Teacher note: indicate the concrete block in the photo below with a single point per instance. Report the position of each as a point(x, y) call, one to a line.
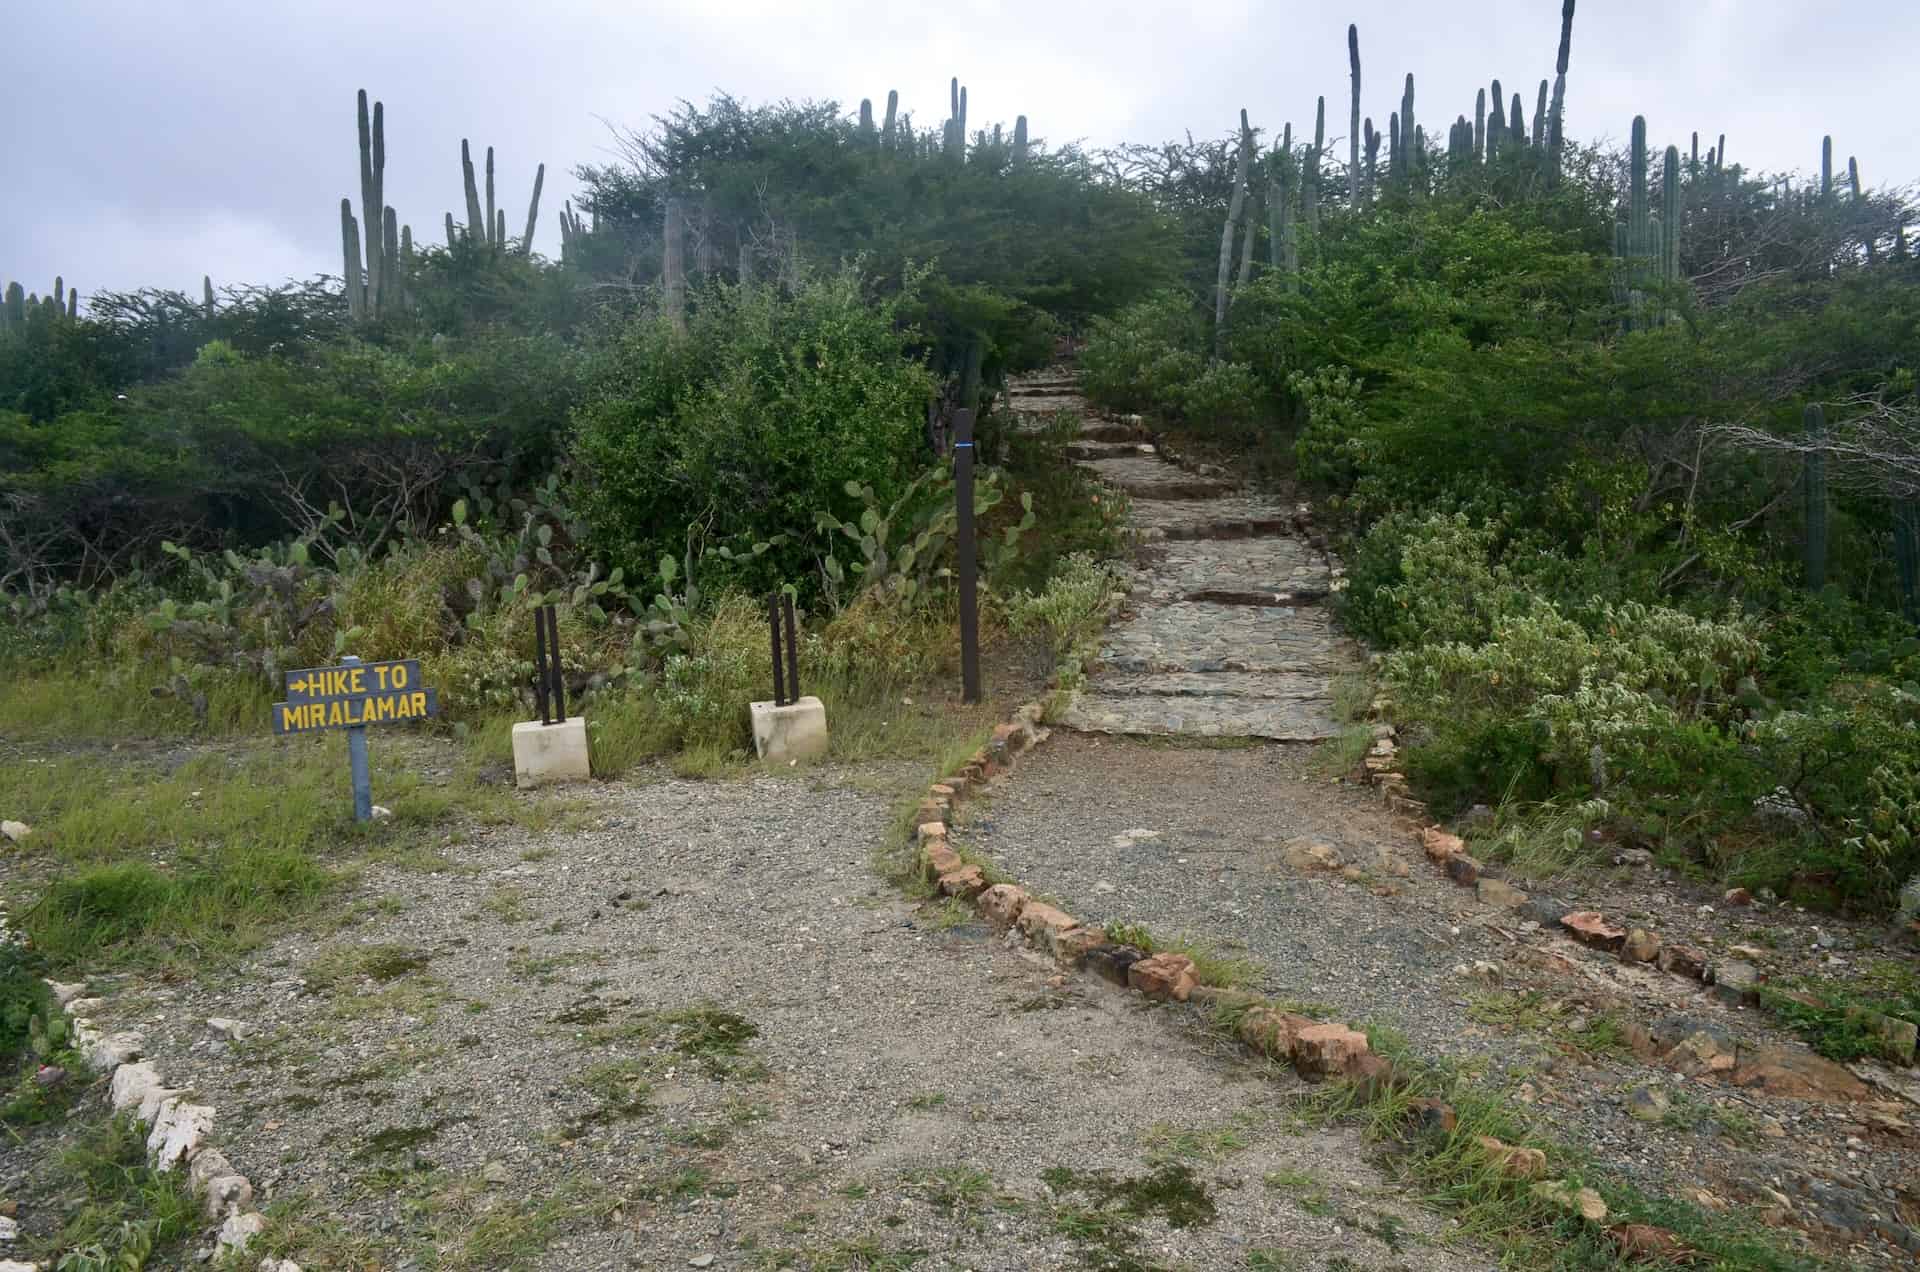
point(797, 731)
point(544, 753)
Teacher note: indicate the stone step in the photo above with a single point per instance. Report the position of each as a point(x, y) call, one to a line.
point(1050, 389)
point(1088, 450)
point(1278, 720)
point(1269, 571)
point(1111, 431)
point(1230, 516)
point(1273, 686)
point(1198, 636)
point(1149, 477)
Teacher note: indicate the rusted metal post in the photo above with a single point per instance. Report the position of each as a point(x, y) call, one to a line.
point(773, 628)
point(969, 567)
point(540, 662)
point(793, 650)
point(553, 653)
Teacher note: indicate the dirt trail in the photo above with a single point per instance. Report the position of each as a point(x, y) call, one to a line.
point(700, 1025)
point(1253, 850)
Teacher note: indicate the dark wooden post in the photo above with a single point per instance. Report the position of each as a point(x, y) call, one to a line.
point(540, 662)
point(969, 567)
point(793, 648)
point(773, 627)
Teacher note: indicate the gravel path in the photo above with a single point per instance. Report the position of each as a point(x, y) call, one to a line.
point(696, 1024)
point(1208, 844)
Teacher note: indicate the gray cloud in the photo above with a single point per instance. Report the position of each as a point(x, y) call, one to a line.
point(168, 140)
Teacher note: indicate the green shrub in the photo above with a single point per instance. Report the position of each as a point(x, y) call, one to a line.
point(1143, 358)
point(749, 425)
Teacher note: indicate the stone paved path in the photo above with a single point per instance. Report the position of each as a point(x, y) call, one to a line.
point(1225, 633)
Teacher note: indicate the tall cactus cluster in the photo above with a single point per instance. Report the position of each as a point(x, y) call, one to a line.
point(18, 306)
point(1299, 189)
point(895, 134)
point(376, 251)
point(1647, 245)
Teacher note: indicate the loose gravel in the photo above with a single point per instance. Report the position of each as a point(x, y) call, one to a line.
point(697, 1024)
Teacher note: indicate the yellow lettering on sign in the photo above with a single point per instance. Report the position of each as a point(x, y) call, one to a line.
point(383, 708)
point(358, 677)
point(419, 703)
point(400, 676)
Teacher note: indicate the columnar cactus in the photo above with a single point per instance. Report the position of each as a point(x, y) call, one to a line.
point(1412, 158)
point(1517, 123)
point(1396, 157)
point(1310, 178)
point(477, 228)
point(866, 120)
point(887, 134)
point(492, 218)
point(1372, 183)
point(1283, 245)
point(1540, 117)
point(1019, 140)
point(1236, 207)
point(1556, 126)
point(16, 305)
point(1356, 194)
point(1480, 125)
point(1496, 123)
point(1816, 495)
point(350, 262)
point(533, 209)
point(1826, 169)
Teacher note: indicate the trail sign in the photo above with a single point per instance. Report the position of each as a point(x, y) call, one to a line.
point(352, 696)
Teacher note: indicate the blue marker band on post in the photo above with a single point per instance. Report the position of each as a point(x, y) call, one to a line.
point(958, 445)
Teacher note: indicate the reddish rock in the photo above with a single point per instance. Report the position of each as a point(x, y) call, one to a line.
point(1371, 1075)
point(1512, 1161)
point(1327, 1050)
point(1002, 903)
point(1584, 1202)
point(1013, 738)
point(1738, 896)
point(1164, 976)
point(1643, 1241)
point(1072, 946)
point(930, 810)
point(943, 791)
point(1042, 922)
point(1685, 960)
point(1440, 845)
point(1463, 870)
point(931, 830)
point(1588, 928)
point(1271, 1032)
point(1799, 1075)
point(937, 859)
point(966, 883)
point(1435, 1116)
point(1641, 946)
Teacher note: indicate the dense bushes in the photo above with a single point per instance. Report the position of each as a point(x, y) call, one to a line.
point(749, 425)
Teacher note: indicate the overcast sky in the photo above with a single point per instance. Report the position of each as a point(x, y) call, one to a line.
point(152, 141)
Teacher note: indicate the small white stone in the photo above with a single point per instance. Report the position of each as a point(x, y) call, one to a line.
point(14, 1265)
point(278, 1265)
point(9, 1229)
point(238, 1230)
point(381, 812)
point(228, 1194)
point(237, 1030)
point(85, 1006)
point(16, 831)
point(208, 1165)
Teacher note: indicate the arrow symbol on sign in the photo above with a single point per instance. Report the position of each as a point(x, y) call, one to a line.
point(299, 685)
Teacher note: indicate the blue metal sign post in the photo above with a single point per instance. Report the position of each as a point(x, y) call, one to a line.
point(352, 696)
point(357, 758)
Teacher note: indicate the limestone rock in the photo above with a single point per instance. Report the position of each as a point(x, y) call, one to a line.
point(208, 1165)
point(239, 1230)
point(1641, 946)
point(110, 1052)
point(66, 992)
point(132, 1084)
point(1164, 976)
point(15, 831)
point(232, 1030)
point(14, 1265)
point(227, 1195)
point(177, 1132)
point(278, 1265)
